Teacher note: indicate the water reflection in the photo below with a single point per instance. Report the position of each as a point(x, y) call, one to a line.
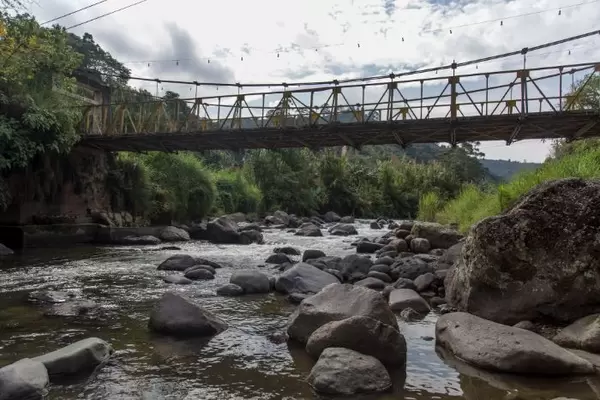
point(242, 362)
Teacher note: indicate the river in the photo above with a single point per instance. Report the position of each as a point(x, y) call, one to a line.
point(241, 363)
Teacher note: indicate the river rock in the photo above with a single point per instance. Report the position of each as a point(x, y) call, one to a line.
point(343, 230)
point(336, 302)
point(5, 251)
point(355, 267)
point(251, 281)
point(139, 240)
point(363, 334)
point(404, 283)
point(492, 346)
point(209, 268)
point(449, 257)
point(539, 260)
point(407, 298)
point(174, 234)
point(223, 230)
point(178, 262)
point(77, 358)
point(346, 372)
point(423, 282)
point(375, 225)
point(23, 380)
point(347, 219)
point(437, 235)
point(371, 283)
point(582, 334)
point(278, 258)
point(230, 290)
point(251, 236)
point(290, 251)
point(199, 274)
point(309, 230)
point(310, 254)
point(379, 275)
point(303, 278)
point(368, 247)
point(383, 268)
point(420, 245)
point(330, 216)
point(410, 268)
point(176, 315)
point(177, 279)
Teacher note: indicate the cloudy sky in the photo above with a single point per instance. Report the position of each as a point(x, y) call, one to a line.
point(290, 41)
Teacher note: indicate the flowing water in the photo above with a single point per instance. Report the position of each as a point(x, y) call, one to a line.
point(241, 363)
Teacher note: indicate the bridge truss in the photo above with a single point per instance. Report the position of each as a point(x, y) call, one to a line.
point(536, 103)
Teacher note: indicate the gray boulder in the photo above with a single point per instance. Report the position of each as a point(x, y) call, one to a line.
point(411, 268)
point(304, 278)
point(77, 358)
point(23, 380)
point(492, 346)
point(177, 279)
point(310, 254)
point(176, 315)
point(223, 230)
point(407, 298)
point(371, 283)
point(438, 235)
point(346, 372)
point(251, 281)
point(309, 230)
point(582, 334)
point(139, 240)
point(174, 234)
point(363, 334)
point(420, 245)
point(199, 274)
point(537, 261)
point(250, 236)
point(354, 267)
point(336, 302)
point(343, 230)
point(368, 247)
point(330, 216)
point(290, 251)
point(178, 262)
point(5, 251)
point(230, 290)
point(347, 219)
point(278, 258)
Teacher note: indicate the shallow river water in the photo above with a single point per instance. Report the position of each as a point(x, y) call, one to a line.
point(241, 363)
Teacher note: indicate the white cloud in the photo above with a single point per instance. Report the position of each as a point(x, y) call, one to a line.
point(352, 38)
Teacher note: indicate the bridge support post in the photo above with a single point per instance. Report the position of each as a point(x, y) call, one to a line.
point(390, 108)
point(523, 75)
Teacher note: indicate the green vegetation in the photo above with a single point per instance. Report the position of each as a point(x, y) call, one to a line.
point(575, 159)
point(38, 121)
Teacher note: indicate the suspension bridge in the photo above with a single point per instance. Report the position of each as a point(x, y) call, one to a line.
point(507, 105)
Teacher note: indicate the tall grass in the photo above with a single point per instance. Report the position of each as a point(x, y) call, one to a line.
point(235, 192)
point(474, 203)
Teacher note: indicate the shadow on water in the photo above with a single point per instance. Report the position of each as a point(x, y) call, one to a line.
point(240, 363)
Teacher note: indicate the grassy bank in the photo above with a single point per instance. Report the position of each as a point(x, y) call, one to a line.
point(475, 203)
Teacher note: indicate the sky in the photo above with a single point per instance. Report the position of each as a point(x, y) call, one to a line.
point(320, 40)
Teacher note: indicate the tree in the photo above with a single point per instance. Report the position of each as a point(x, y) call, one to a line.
point(34, 118)
point(586, 96)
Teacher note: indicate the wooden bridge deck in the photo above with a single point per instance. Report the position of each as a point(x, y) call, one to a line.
point(509, 128)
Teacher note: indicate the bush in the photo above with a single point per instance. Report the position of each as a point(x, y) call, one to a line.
point(474, 204)
point(235, 192)
point(429, 205)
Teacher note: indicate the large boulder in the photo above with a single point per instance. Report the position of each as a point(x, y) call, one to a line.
point(223, 230)
point(354, 267)
point(174, 234)
point(336, 302)
point(539, 260)
point(401, 299)
point(176, 315)
point(492, 346)
point(331, 216)
point(582, 334)
point(5, 251)
point(303, 278)
point(363, 334)
point(343, 230)
point(439, 236)
point(309, 230)
point(23, 380)
point(80, 357)
point(178, 262)
point(251, 281)
point(346, 372)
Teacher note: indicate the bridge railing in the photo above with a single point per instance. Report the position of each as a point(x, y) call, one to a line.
point(516, 92)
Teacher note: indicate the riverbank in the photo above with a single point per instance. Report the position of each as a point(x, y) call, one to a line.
point(243, 362)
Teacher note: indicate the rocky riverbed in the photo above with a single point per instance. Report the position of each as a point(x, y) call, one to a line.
point(112, 292)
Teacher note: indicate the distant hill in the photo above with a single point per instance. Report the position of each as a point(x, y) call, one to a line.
point(505, 169)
